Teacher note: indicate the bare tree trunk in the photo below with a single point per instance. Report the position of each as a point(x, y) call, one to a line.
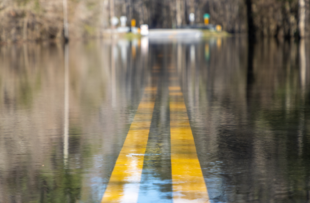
point(302, 17)
point(111, 13)
point(25, 37)
point(249, 13)
point(141, 16)
point(65, 11)
point(179, 16)
point(185, 12)
point(102, 16)
point(130, 12)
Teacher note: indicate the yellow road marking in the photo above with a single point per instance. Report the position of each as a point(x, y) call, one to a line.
point(174, 88)
point(124, 182)
point(175, 94)
point(187, 178)
point(151, 89)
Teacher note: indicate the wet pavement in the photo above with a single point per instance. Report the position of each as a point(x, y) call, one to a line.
point(190, 120)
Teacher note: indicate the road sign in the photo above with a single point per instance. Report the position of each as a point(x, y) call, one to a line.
point(133, 23)
point(206, 18)
point(192, 17)
point(144, 29)
point(123, 20)
point(206, 15)
point(114, 21)
point(218, 28)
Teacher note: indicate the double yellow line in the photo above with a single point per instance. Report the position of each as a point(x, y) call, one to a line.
point(187, 178)
point(188, 182)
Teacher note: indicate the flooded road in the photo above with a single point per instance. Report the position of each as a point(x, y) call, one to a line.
point(215, 120)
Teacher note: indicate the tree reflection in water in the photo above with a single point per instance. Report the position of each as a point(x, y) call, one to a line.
point(247, 106)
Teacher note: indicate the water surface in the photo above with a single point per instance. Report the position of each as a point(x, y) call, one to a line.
point(65, 114)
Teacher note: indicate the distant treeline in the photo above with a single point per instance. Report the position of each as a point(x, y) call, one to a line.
point(272, 18)
point(37, 20)
point(43, 19)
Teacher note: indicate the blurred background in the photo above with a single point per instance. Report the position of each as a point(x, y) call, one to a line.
point(66, 108)
point(44, 19)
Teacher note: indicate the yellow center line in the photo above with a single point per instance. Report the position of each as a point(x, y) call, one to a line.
point(124, 182)
point(187, 178)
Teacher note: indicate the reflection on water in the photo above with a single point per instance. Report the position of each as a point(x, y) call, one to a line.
point(65, 113)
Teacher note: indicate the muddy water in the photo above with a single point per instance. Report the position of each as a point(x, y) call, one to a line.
point(101, 119)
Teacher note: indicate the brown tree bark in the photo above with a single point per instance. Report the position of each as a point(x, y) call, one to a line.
point(250, 21)
point(302, 17)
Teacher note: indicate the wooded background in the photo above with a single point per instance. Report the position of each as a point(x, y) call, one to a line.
point(43, 19)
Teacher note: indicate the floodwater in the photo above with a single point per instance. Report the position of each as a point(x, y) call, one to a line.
point(214, 120)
